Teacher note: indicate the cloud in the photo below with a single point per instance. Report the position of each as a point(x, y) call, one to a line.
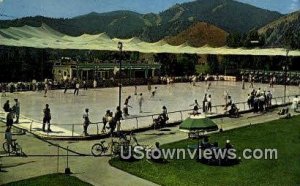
point(295, 5)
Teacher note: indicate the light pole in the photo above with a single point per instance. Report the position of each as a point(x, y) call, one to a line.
point(285, 68)
point(120, 47)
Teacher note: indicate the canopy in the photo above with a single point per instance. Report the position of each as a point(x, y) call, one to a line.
point(46, 37)
point(198, 123)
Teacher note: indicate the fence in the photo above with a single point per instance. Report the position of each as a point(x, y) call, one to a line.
point(143, 122)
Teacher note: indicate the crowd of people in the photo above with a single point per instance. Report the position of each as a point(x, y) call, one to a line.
point(273, 78)
point(214, 148)
point(259, 101)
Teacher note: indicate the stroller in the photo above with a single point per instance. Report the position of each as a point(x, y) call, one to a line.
point(234, 112)
point(160, 121)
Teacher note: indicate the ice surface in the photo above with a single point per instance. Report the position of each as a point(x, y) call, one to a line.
point(68, 108)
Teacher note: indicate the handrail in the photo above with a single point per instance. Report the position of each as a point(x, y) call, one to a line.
point(178, 111)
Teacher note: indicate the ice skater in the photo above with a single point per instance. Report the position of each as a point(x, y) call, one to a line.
point(194, 78)
point(140, 101)
point(66, 86)
point(46, 88)
point(243, 82)
point(76, 90)
point(47, 118)
point(204, 103)
point(85, 87)
point(149, 86)
point(86, 121)
point(208, 85)
point(3, 90)
point(209, 106)
point(135, 90)
point(153, 92)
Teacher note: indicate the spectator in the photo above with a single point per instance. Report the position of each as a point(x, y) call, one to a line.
point(112, 122)
point(16, 109)
point(165, 113)
point(126, 105)
point(295, 103)
point(105, 120)
point(228, 145)
point(118, 117)
point(8, 138)
point(86, 121)
point(9, 119)
point(229, 103)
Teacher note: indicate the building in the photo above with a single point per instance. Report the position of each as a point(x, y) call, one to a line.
point(69, 69)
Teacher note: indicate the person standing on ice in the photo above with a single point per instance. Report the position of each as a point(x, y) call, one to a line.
point(95, 84)
point(140, 101)
point(86, 121)
point(46, 87)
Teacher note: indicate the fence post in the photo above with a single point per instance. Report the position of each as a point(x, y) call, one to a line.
point(72, 130)
point(97, 129)
point(31, 126)
point(57, 159)
point(244, 106)
point(137, 123)
point(181, 116)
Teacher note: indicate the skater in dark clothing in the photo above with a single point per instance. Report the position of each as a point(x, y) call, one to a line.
point(47, 118)
point(86, 122)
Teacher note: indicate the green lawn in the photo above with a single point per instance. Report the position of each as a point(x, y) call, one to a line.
point(51, 179)
point(283, 135)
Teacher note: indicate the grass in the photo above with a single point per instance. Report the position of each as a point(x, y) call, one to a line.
point(284, 135)
point(51, 179)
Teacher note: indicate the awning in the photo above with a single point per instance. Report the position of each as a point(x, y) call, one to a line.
point(200, 123)
point(46, 37)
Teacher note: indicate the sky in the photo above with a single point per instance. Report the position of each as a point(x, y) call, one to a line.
point(10, 9)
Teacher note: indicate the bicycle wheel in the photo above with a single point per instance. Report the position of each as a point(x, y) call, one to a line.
point(97, 149)
point(115, 148)
point(18, 149)
point(6, 149)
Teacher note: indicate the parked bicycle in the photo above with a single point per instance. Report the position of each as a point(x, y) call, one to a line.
point(124, 142)
point(14, 148)
point(102, 148)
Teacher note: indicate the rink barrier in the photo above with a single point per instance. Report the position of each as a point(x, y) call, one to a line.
point(94, 128)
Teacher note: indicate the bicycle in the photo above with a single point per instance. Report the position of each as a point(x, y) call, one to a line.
point(14, 148)
point(98, 149)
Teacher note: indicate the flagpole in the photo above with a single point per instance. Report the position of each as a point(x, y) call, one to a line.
point(120, 47)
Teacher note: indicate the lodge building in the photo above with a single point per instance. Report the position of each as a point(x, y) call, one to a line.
point(68, 69)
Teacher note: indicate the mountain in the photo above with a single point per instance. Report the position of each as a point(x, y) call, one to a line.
point(228, 15)
point(284, 32)
point(199, 35)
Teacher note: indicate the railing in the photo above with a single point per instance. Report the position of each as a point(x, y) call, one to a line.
point(146, 121)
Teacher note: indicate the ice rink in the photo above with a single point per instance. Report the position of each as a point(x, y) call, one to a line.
point(67, 109)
